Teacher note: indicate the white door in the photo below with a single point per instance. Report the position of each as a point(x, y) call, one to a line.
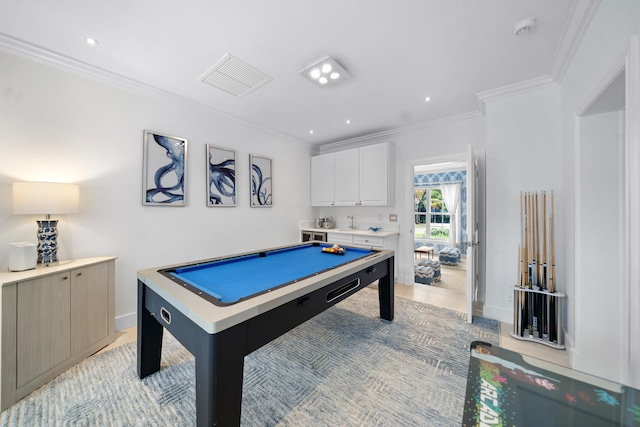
point(472, 232)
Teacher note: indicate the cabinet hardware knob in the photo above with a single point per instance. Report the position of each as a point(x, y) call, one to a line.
point(79, 274)
point(65, 277)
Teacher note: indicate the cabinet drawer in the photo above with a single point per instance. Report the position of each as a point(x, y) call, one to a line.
point(368, 241)
point(339, 238)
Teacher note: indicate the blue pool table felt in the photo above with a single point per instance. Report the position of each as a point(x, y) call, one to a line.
point(230, 280)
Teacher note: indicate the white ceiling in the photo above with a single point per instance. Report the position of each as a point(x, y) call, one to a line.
point(396, 52)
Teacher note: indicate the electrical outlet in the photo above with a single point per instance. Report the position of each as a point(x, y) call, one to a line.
point(509, 297)
point(393, 217)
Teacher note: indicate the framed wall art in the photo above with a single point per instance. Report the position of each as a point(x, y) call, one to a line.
point(221, 176)
point(164, 170)
point(261, 181)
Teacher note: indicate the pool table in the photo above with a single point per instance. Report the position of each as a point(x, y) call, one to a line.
point(224, 308)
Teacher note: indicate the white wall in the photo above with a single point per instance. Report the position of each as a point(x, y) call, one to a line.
point(604, 43)
point(60, 127)
point(523, 155)
point(598, 291)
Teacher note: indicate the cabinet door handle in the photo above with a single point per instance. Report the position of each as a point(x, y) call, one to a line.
point(79, 274)
point(65, 277)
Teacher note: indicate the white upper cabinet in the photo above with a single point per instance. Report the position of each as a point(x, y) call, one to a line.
point(346, 188)
point(374, 175)
point(323, 180)
point(355, 177)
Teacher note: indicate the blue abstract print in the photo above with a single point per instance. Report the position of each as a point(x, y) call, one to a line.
point(169, 178)
point(222, 181)
point(261, 182)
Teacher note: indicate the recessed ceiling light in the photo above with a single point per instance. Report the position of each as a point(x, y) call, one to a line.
point(428, 98)
point(348, 121)
point(311, 131)
point(91, 41)
point(323, 80)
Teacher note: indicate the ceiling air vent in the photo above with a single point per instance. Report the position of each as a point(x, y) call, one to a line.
point(234, 76)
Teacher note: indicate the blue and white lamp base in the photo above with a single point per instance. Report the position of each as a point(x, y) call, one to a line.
point(47, 241)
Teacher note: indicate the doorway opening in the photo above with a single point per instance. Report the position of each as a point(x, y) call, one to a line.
point(439, 226)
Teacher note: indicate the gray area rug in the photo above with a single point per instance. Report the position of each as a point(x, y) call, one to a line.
point(345, 367)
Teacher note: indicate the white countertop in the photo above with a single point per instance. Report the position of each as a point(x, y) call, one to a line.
point(381, 233)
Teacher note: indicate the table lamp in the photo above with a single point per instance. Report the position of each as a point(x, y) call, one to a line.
point(46, 198)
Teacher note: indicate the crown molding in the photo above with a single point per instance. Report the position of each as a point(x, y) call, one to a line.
point(514, 89)
point(43, 56)
point(574, 31)
point(374, 137)
point(579, 20)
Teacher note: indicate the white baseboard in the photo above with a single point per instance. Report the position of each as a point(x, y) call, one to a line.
point(497, 313)
point(570, 347)
point(126, 321)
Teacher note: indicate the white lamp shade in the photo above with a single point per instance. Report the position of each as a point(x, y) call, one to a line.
point(45, 198)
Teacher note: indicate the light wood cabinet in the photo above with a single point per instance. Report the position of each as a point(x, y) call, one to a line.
point(354, 177)
point(42, 324)
point(52, 318)
point(90, 314)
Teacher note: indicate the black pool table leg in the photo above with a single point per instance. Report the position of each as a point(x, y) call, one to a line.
point(149, 338)
point(386, 293)
point(219, 376)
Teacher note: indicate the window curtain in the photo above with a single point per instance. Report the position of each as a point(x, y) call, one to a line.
point(451, 198)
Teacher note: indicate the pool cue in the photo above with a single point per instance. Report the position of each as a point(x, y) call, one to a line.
point(545, 299)
point(524, 274)
point(516, 299)
point(530, 251)
point(552, 251)
point(552, 274)
point(534, 234)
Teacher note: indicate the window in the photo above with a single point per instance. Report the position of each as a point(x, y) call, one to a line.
point(428, 204)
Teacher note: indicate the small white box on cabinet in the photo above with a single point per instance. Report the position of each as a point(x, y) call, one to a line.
point(22, 256)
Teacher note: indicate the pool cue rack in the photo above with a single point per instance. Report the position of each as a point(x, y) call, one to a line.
point(537, 305)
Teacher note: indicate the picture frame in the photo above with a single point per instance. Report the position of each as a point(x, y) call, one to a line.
point(164, 179)
point(221, 176)
point(261, 181)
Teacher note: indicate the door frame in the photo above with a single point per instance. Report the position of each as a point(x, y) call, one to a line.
point(408, 189)
point(629, 63)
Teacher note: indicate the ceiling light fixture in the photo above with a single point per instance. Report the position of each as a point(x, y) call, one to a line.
point(525, 26)
point(428, 98)
point(325, 72)
point(91, 41)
